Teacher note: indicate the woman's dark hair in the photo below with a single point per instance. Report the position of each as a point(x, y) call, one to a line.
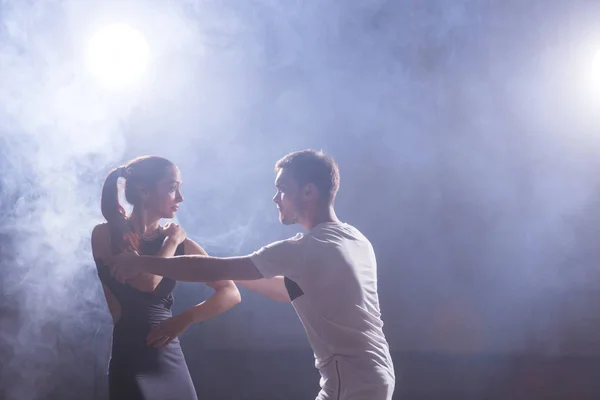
point(140, 173)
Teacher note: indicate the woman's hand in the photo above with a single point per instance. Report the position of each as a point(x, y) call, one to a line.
point(175, 233)
point(164, 333)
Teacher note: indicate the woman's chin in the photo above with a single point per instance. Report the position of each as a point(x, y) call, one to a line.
point(170, 215)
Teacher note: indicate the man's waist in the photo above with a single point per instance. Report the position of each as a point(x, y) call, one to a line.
point(357, 370)
point(360, 359)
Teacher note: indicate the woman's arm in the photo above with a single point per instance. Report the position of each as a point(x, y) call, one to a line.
point(225, 297)
point(226, 294)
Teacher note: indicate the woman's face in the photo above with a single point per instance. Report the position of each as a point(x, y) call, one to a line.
point(163, 201)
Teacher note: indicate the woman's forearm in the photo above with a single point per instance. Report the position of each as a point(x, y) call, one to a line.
point(221, 301)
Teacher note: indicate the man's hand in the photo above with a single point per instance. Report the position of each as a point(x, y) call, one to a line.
point(164, 333)
point(125, 266)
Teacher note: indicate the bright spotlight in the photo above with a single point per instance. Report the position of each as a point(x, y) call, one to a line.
point(117, 54)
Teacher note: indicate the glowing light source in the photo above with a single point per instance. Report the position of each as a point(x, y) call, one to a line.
point(117, 54)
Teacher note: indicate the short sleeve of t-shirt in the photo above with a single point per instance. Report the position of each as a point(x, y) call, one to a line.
point(280, 258)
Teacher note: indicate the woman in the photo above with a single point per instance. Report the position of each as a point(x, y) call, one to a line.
point(146, 360)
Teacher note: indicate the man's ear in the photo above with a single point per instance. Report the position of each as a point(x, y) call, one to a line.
point(310, 192)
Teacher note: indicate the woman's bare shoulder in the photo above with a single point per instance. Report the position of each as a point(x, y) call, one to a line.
point(101, 240)
point(191, 247)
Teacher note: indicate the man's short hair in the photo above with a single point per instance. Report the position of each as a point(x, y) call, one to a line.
point(316, 167)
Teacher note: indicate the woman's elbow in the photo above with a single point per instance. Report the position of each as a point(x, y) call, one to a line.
point(236, 297)
point(229, 292)
point(233, 295)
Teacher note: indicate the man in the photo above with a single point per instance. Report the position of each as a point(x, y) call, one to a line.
point(329, 274)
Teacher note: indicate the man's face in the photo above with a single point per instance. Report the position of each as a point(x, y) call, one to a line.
point(288, 197)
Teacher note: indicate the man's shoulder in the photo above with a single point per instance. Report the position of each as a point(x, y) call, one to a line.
point(340, 230)
point(295, 240)
point(291, 242)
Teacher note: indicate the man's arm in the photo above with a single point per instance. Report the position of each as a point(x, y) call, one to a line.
point(148, 282)
point(273, 288)
point(197, 268)
point(276, 259)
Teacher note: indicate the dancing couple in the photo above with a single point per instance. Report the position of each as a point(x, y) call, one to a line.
point(328, 273)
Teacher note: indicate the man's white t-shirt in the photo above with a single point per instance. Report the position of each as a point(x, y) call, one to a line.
point(331, 277)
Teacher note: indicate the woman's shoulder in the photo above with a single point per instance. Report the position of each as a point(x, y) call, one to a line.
point(101, 239)
point(100, 230)
point(191, 247)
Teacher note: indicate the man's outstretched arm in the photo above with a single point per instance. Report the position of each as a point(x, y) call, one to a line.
point(190, 268)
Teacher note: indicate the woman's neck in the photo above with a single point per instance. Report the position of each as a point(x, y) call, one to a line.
point(143, 224)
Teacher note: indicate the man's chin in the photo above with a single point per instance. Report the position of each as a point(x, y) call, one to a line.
point(287, 221)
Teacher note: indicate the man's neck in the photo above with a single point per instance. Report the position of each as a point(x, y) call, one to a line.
point(322, 216)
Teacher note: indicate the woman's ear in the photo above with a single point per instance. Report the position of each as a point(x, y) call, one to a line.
point(144, 194)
